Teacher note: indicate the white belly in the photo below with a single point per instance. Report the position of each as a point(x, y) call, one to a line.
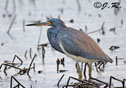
point(76, 58)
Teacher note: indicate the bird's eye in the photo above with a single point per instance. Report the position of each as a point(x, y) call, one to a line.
point(49, 22)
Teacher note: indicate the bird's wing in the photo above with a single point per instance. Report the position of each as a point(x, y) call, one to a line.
point(80, 44)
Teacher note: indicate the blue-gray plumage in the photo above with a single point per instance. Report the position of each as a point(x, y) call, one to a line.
point(75, 44)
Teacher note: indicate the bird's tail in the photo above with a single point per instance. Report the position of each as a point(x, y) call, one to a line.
point(109, 59)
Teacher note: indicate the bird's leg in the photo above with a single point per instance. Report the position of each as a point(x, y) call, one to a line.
point(79, 71)
point(89, 70)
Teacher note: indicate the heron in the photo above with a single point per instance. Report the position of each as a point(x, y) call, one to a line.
point(74, 43)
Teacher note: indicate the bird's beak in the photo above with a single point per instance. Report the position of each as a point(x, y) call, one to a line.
point(40, 24)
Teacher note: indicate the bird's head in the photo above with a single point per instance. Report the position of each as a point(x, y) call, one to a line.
point(54, 22)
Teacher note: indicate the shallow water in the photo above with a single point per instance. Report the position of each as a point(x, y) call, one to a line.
point(34, 10)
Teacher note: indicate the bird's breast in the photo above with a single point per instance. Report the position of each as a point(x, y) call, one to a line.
point(54, 41)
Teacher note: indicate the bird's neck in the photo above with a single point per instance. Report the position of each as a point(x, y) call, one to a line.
point(52, 36)
point(57, 29)
point(60, 27)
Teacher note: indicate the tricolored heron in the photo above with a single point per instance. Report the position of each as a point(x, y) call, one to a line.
point(74, 43)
